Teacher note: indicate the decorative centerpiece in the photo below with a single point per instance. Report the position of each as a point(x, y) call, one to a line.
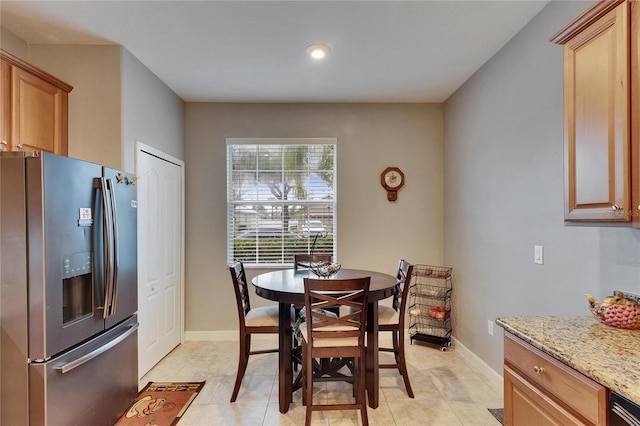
point(324, 269)
point(616, 311)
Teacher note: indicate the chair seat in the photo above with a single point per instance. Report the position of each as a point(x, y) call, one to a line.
point(331, 342)
point(387, 315)
point(262, 316)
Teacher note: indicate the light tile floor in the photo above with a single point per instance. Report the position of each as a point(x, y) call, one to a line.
point(448, 391)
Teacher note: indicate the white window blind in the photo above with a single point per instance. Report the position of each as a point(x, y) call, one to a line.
point(281, 199)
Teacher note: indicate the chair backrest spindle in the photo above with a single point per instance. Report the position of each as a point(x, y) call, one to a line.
point(241, 289)
point(404, 275)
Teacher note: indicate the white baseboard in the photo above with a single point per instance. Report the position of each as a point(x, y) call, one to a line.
point(494, 379)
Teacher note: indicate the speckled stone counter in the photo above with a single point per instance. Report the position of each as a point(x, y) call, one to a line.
point(608, 355)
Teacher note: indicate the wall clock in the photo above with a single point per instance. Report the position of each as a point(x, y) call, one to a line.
point(392, 180)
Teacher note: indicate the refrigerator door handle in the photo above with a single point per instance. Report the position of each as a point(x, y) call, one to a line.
point(91, 355)
point(114, 223)
point(106, 241)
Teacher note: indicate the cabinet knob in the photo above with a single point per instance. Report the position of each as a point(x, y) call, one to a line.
point(19, 146)
point(3, 142)
point(615, 207)
point(538, 370)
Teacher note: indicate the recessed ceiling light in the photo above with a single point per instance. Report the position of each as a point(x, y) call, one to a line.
point(318, 51)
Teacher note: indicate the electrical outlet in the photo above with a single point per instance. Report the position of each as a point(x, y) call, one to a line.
point(490, 327)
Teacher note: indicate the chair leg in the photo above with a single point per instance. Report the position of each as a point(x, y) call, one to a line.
point(308, 384)
point(294, 350)
point(303, 368)
point(355, 370)
point(396, 345)
point(402, 365)
point(243, 359)
point(362, 392)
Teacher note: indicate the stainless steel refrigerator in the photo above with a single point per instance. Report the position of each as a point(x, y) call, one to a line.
point(68, 291)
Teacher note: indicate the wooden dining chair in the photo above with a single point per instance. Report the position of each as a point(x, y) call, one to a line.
point(303, 260)
point(327, 336)
point(262, 320)
point(392, 318)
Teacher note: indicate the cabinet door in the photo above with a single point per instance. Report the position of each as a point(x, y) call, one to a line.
point(5, 106)
point(596, 102)
point(39, 114)
point(635, 106)
point(526, 405)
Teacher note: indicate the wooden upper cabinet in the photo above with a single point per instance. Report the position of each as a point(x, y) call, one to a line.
point(635, 112)
point(5, 105)
point(597, 128)
point(34, 114)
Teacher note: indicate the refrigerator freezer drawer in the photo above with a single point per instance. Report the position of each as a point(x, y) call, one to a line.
point(91, 384)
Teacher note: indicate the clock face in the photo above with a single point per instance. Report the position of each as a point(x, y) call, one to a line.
point(393, 179)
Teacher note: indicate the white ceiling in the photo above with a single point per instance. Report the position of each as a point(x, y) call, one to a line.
point(254, 51)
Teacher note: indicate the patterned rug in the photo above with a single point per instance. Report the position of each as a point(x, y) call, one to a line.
point(498, 413)
point(160, 404)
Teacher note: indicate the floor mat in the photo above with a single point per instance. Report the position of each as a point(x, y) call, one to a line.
point(498, 413)
point(160, 404)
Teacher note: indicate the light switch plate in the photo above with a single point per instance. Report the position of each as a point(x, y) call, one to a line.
point(538, 255)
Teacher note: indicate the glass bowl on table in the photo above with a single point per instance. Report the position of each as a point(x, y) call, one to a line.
point(324, 269)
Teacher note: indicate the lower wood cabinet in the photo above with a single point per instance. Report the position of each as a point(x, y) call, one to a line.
point(539, 390)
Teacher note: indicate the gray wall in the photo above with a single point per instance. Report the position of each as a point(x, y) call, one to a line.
point(151, 112)
point(503, 162)
point(373, 233)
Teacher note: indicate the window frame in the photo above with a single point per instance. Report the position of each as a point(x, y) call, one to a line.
point(307, 241)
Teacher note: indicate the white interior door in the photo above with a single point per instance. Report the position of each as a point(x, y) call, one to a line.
point(160, 255)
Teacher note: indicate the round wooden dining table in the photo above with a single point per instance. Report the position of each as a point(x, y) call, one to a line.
point(287, 288)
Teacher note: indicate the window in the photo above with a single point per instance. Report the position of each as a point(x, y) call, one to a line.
point(281, 199)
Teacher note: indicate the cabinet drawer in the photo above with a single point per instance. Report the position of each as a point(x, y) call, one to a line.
point(526, 405)
point(578, 392)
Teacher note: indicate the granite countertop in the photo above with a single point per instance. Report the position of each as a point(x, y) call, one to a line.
point(608, 355)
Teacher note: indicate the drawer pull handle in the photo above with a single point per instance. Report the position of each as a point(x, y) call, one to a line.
point(538, 370)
